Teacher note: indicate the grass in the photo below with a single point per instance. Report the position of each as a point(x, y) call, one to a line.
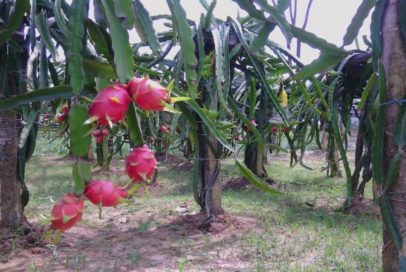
point(297, 231)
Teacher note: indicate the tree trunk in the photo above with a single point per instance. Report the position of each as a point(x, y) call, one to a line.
point(10, 187)
point(394, 61)
point(213, 188)
point(333, 156)
point(209, 164)
point(254, 159)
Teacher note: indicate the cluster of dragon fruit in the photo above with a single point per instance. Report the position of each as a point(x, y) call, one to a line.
point(107, 108)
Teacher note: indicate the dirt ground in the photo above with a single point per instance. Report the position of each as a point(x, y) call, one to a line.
point(122, 241)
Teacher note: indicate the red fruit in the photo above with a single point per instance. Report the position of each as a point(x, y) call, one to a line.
point(67, 212)
point(96, 132)
point(104, 132)
point(274, 129)
point(60, 118)
point(238, 138)
point(164, 129)
point(64, 109)
point(99, 134)
point(149, 95)
point(151, 140)
point(140, 164)
point(286, 129)
point(104, 193)
point(111, 104)
point(99, 139)
point(246, 128)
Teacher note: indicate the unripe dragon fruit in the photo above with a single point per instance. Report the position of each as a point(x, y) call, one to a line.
point(149, 95)
point(67, 212)
point(140, 164)
point(104, 193)
point(110, 104)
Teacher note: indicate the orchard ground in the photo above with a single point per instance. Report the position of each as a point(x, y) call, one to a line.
point(301, 230)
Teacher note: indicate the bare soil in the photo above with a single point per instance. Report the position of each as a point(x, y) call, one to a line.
point(122, 241)
point(175, 162)
point(242, 183)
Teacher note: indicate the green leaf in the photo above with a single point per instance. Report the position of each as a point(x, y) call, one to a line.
point(378, 137)
point(134, 130)
point(321, 64)
point(123, 56)
point(282, 5)
point(316, 42)
point(60, 19)
point(260, 72)
point(187, 45)
point(43, 29)
point(367, 89)
point(209, 15)
point(100, 39)
point(343, 154)
point(21, 7)
point(218, 38)
point(376, 35)
point(81, 175)
point(98, 69)
point(53, 73)
point(145, 27)
point(278, 17)
point(258, 137)
point(80, 138)
point(262, 37)
point(39, 95)
point(76, 32)
point(254, 179)
point(124, 11)
point(219, 135)
point(251, 9)
point(204, 4)
point(32, 116)
point(357, 21)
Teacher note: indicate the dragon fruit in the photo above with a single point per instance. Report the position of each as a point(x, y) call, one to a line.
point(140, 164)
point(99, 134)
point(110, 105)
point(67, 212)
point(149, 95)
point(104, 193)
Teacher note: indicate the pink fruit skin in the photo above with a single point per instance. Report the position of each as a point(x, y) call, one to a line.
point(65, 109)
point(149, 95)
point(140, 164)
point(60, 118)
point(70, 207)
point(164, 129)
point(104, 193)
point(110, 103)
point(274, 129)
